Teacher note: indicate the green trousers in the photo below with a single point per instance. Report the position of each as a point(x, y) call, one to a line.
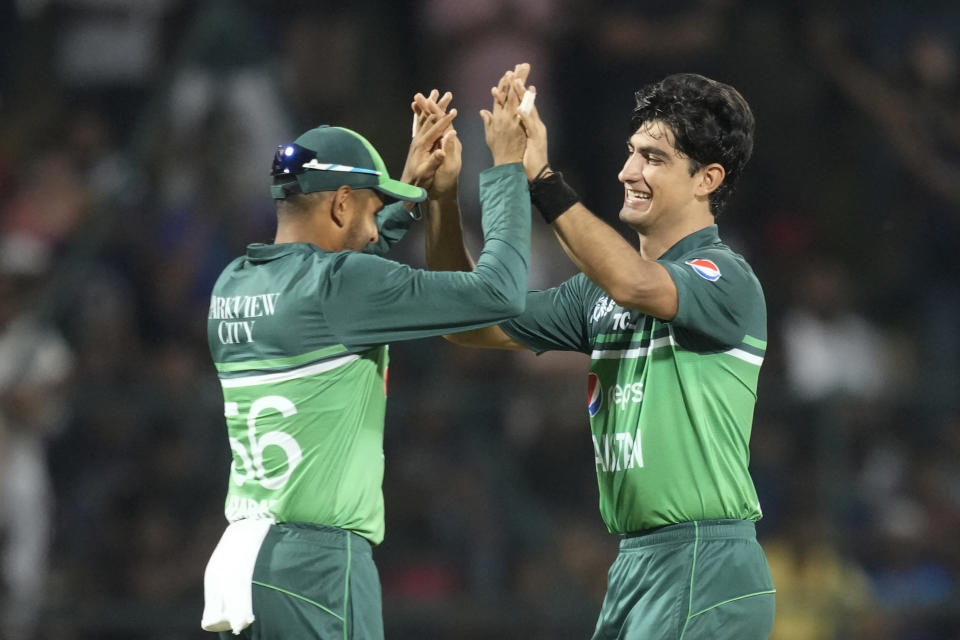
point(705, 580)
point(312, 582)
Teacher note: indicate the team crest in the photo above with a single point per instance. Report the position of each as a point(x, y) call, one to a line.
point(594, 394)
point(706, 269)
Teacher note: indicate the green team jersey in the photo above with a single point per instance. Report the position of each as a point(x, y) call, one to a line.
point(670, 403)
point(298, 336)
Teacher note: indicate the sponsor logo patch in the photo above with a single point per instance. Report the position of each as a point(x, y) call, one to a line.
point(706, 269)
point(594, 394)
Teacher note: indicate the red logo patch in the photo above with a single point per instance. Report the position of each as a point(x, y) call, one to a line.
point(706, 269)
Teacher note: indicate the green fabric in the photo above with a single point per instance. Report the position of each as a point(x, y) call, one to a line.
point(299, 335)
point(311, 581)
point(338, 145)
point(705, 580)
point(674, 403)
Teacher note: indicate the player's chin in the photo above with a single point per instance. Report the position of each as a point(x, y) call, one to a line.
point(630, 215)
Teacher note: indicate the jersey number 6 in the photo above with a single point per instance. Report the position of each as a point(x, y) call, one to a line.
point(252, 460)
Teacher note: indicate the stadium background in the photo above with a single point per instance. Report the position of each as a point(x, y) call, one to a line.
point(135, 137)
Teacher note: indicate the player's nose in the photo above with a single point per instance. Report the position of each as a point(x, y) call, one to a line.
point(632, 169)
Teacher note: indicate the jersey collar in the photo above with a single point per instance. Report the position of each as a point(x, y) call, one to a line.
point(259, 252)
point(696, 240)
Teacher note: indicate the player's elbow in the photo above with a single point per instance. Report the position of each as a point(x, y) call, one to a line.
point(506, 304)
point(514, 306)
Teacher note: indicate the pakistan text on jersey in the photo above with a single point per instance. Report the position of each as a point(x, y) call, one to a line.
point(617, 451)
point(238, 307)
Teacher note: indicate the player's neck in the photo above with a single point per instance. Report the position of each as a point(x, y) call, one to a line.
point(654, 242)
point(304, 231)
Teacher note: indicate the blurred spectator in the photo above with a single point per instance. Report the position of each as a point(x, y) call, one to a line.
point(109, 51)
point(830, 346)
point(35, 365)
point(908, 91)
point(918, 111)
point(820, 594)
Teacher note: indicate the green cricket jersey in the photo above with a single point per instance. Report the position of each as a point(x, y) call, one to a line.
point(298, 336)
point(670, 403)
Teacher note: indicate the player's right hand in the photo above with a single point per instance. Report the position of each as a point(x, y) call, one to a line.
point(535, 157)
point(503, 129)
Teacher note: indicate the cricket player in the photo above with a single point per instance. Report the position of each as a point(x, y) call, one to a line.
point(298, 331)
point(676, 333)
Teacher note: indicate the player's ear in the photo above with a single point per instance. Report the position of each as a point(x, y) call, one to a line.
point(711, 177)
point(340, 205)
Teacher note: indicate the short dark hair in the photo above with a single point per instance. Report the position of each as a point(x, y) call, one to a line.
point(297, 203)
point(710, 120)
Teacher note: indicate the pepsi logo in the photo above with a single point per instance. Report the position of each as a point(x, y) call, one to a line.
point(706, 269)
point(594, 394)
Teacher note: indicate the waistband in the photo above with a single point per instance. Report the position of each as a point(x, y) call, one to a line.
point(324, 535)
point(690, 532)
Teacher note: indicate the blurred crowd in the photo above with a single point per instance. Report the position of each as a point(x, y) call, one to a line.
point(134, 143)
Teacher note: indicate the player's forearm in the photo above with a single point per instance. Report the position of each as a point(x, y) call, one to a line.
point(487, 338)
point(616, 267)
point(445, 247)
point(505, 203)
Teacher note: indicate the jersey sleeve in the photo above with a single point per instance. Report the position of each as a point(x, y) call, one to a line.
point(717, 295)
point(374, 300)
point(393, 222)
point(555, 319)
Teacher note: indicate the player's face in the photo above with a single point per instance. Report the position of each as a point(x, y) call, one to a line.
point(362, 225)
point(656, 178)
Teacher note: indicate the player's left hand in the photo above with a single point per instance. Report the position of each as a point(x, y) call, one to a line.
point(427, 148)
point(447, 175)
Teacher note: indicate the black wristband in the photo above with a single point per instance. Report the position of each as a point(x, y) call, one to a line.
point(552, 196)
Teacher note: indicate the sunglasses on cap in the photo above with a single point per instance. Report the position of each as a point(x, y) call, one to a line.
point(292, 159)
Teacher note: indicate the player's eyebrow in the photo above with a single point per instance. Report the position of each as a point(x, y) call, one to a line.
point(649, 150)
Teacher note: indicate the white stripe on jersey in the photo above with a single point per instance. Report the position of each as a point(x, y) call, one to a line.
point(636, 352)
point(745, 356)
point(665, 341)
point(290, 374)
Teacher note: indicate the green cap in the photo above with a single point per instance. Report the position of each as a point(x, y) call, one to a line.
point(326, 158)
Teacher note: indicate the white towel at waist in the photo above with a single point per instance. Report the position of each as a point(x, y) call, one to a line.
point(228, 580)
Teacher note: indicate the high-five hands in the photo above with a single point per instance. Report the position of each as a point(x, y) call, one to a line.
point(503, 127)
point(535, 156)
point(433, 139)
point(447, 173)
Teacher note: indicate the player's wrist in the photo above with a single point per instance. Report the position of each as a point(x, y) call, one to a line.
point(551, 195)
point(443, 196)
point(507, 157)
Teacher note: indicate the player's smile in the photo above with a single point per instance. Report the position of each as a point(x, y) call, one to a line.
point(637, 198)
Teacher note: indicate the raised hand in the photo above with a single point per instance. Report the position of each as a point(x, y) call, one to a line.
point(503, 130)
point(428, 147)
point(535, 156)
point(447, 174)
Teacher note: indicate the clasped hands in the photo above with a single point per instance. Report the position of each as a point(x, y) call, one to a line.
point(434, 158)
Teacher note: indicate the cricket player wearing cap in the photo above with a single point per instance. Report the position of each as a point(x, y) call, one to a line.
point(676, 333)
point(298, 331)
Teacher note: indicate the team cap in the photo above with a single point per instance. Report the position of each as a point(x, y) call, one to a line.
point(325, 158)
